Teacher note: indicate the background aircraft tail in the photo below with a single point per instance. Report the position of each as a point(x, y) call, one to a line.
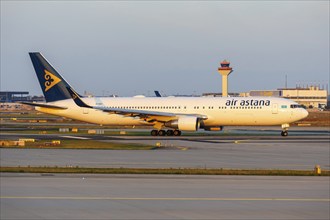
point(52, 83)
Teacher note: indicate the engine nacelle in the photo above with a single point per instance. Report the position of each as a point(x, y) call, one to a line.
point(184, 123)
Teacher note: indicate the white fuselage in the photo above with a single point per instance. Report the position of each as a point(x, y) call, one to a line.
point(219, 111)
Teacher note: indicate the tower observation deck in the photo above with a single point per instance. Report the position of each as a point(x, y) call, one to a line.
point(225, 70)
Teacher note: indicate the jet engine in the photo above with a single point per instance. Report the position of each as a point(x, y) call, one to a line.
point(184, 123)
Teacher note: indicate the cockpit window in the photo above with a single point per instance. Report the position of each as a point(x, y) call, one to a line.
point(296, 106)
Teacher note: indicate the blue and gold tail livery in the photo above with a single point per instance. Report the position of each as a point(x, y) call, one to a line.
point(52, 83)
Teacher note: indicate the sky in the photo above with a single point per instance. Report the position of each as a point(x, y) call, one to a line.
point(135, 47)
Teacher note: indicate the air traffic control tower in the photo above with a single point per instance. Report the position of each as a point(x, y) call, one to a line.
point(225, 70)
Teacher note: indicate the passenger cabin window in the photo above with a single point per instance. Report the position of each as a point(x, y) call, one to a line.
point(296, 106)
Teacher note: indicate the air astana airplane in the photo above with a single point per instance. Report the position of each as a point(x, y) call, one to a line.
point(174, 113)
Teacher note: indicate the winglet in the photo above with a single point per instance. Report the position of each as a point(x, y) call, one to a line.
point(157, 93)
point(76, 98)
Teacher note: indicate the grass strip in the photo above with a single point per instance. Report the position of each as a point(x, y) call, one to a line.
point(169, 171)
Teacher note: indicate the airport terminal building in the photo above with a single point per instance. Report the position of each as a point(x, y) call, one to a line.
point(9, 100)
point(310, 97)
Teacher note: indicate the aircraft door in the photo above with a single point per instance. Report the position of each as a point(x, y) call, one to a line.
point(275, 108)
point(85, 110)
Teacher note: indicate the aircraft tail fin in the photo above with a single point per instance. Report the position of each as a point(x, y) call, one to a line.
point(53, 85)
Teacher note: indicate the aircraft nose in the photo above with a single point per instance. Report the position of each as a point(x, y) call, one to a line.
point(304, 113)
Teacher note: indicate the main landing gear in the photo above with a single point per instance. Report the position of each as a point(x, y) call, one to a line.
point(165, 133)
point(285, 128)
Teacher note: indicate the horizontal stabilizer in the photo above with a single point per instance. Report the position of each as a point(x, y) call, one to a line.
point(44, 105)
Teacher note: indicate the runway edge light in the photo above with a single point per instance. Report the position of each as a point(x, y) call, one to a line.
point(317, 169)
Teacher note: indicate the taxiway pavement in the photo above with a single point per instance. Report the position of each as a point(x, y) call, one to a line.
point(242, 152)
point(59, 196)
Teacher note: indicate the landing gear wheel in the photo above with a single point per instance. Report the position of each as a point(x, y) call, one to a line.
point(154, 133)
point(161, 133)
point(284, 133)
point(176, 132)
point(169, 132)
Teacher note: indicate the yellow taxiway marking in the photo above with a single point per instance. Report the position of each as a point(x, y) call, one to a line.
point(76, 137)
point(164, 198)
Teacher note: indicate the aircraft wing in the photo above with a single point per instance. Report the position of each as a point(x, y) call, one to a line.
point(146, 115)
point(44, 105)
point(132, 112)
point(149, 116)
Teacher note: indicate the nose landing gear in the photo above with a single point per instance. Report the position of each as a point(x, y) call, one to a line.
point(285, 128)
